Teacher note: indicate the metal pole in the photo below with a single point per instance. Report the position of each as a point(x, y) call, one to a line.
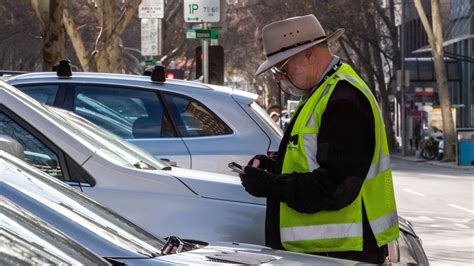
point(205, 59)
point(160, 41)
point(402, 85)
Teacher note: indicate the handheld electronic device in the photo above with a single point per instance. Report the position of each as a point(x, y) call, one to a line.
point(236, 167)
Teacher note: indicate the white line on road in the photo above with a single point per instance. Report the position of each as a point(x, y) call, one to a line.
point(435, 225)
point(462, 226)
point(413, 192)
point(460, 208)
point(426, 218)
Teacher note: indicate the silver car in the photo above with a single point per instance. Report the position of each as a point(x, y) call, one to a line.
point(112, 237)
point(128, 180)
point(189, 124)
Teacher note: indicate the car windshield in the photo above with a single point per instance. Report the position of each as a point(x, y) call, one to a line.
point(63, 199)
point(117, 149)
point(29, 239)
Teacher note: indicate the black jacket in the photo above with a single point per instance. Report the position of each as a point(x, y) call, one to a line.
point(346, 142)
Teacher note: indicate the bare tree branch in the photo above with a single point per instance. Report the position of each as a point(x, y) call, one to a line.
point(77, 42)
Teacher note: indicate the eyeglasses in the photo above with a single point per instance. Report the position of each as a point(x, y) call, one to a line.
point(280, 69)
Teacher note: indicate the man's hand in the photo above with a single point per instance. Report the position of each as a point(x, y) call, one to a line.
point(263, 162)
point(256, 181)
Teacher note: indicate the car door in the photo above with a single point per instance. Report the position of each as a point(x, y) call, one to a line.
point(135, 114)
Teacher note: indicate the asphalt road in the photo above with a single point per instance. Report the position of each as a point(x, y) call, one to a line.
point(439, 201)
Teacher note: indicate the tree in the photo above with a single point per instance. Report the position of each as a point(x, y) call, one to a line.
point(106, 55)
point(49, 15)
point(435, 38)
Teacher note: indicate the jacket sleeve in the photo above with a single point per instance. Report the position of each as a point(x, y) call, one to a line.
point(345, 149)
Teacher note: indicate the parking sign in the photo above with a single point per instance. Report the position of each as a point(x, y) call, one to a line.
point(151, 9)
point(198, 11)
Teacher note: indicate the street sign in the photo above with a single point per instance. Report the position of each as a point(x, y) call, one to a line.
point(149, 36)
point(198, 11)
point(151, 9)
point(202, 34)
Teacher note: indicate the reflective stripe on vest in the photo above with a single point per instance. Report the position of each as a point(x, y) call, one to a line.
point(384, 223)
point(311, 140)
point(376, 168)
point(327, 231)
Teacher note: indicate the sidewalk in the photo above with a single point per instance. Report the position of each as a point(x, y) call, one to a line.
point(413, 158)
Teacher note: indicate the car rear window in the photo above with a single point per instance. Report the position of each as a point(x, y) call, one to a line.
point(193, 119)
point(266, 118)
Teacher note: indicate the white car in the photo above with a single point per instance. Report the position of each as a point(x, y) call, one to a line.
point(191, 125)
point(193, 204)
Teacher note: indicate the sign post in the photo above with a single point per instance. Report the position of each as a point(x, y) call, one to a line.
point(205, 54)
point(202, 11)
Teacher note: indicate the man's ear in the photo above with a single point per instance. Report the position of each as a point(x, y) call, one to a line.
point(308, 53)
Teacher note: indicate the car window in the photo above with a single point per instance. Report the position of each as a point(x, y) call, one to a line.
point(265, 117)
point(45, 94)
point(129, 113)
point(36, 152)
point(193, 118)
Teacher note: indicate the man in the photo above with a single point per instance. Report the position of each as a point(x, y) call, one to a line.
point(329, 189)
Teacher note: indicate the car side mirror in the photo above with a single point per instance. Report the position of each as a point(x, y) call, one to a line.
point(12, 146)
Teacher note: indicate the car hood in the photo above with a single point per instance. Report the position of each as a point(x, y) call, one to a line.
point(215, 186)
point(237, 253)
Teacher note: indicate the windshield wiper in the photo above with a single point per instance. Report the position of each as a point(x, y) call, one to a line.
point(175, 245)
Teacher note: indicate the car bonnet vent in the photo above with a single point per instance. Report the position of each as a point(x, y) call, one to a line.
point(221, 261)
point(240, 258)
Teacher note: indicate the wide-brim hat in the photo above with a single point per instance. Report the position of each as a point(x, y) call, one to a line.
point(285, 38)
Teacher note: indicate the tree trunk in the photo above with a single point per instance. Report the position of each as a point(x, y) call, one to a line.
point(108, 53)
point(435, 38)
point(49, 13)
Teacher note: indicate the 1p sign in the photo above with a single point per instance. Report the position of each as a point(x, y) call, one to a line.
point(197, 11)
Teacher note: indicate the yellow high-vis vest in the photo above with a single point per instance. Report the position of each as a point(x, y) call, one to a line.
point(339, 230)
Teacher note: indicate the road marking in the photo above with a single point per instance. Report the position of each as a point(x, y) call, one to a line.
point(462, 226)
point(428, 219)
point(460, 208)
point(436, 225)
point(414, 192)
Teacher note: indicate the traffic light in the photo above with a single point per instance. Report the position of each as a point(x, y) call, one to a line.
point(216, 64)
point(174, 74)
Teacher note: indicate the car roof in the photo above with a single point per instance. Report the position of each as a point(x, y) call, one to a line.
point(125, 79)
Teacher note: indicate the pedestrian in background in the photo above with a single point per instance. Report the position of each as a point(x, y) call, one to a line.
point(329, 188)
